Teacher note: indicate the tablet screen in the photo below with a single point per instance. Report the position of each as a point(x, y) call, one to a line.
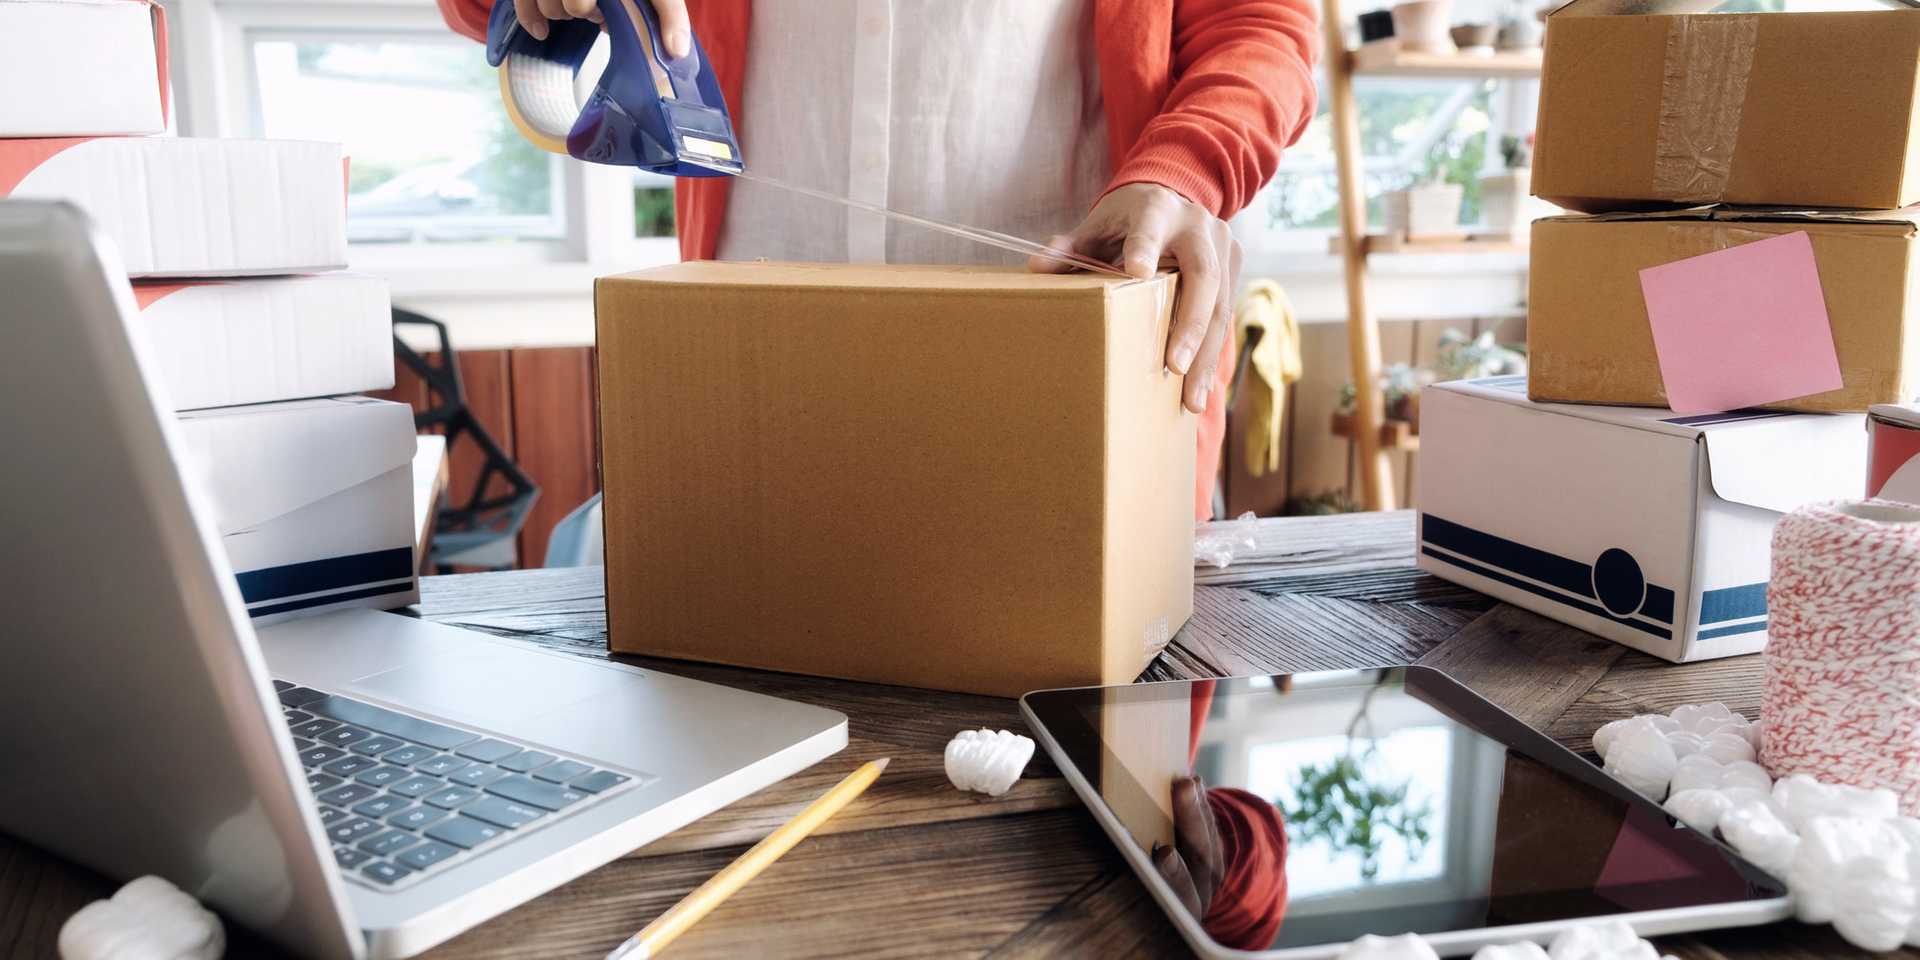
point(1312, 808)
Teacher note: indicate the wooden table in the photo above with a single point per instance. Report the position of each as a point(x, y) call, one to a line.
point(916, 868)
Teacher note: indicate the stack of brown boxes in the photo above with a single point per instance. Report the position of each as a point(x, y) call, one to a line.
point(1683, 134)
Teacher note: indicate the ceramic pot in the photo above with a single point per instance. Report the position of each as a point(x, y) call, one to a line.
point(1520, 33)
point(1424, 210)
point(1475, 37)
point(1421, 25)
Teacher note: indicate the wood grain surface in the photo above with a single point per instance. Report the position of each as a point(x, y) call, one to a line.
point(917, 869)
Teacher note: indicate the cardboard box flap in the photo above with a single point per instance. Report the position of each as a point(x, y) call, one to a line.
point(1513, 390)
point(1782, 461)
point(265, 461)
point(1610, 8)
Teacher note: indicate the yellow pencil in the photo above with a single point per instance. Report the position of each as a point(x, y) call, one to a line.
point(655, 936)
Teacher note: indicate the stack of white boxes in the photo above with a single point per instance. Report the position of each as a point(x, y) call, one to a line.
point(250, 333)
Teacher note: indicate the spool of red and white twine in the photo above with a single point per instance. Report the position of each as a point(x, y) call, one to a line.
point(1842, 697)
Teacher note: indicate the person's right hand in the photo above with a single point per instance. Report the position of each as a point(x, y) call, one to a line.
point(676, 31)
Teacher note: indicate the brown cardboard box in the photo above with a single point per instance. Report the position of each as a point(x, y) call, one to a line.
point(1782, 109)
point(1589, 340)
point(969, 479)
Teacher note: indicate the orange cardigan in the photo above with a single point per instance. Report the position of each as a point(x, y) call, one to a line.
point(1201, 97)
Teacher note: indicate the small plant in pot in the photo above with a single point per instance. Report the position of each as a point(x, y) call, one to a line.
point(1505, 196)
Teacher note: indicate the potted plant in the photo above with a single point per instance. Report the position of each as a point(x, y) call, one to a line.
point(1421, 25)
point(1463, 357)
point(1505, 197)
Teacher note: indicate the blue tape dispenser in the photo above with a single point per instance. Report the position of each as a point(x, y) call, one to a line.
point(647, 110)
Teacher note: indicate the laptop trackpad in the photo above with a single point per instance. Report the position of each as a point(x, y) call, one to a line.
point(491, 688)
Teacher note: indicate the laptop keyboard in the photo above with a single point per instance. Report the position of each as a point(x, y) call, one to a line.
point(402, 797)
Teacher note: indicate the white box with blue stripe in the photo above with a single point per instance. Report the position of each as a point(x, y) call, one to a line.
point(313, 500)
point(1636, 524)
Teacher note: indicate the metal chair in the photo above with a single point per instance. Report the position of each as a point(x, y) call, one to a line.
point(480, 531)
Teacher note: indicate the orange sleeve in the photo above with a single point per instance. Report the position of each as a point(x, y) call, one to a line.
point(1242, 91)
point(468, 18)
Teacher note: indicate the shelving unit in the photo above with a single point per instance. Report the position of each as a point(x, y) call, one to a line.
point(1373, 437)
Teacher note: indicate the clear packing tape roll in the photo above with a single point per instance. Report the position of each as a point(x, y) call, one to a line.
point(1842, 692)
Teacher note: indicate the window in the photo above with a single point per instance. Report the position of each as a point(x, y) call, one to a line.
point(1410, 131)
point(434, 158)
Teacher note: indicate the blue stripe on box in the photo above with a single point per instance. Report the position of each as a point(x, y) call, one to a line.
point(1730, 631)
point(333, 573)
point(1569, 575)
point(1733, 603)
point(327, 598)
point(1537, 590)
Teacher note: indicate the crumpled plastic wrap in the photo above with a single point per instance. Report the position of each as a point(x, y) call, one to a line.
point(1217, 543)
point(148, 919)
point(984, 761)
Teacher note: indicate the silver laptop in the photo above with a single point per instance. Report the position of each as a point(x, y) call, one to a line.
point(354, 784)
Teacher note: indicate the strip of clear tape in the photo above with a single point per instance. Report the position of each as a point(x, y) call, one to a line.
point(992, 238)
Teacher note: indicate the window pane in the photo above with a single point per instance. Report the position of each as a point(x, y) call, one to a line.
point(433, 156)
point(652, 205)
point(1410, 130)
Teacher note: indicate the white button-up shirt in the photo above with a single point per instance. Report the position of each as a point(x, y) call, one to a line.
point(982, 112)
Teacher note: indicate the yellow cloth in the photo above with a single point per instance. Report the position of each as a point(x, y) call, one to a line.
point(1274, 363)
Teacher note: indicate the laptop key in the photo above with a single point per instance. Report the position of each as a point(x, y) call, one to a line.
point(302, 744)
point(320, 755)
point(406, 756)
point(375, 746)
point(463, 832)
point(440, 766)
point(502, 813)
point(546, 796)
point(348, 766)
point(450, 797)
point(478, 775)
point(281, 686)
point(347, 831)
point(344, 735)
point(527, 760)
point(322, 781)
point(380, 806)
point(413, 818)
point(348, 795)
point(389, 843)
point(382, 871)
point(561, 772)
point(331, 815)
point(381, 720)
point(488, 750)
point(348, 858)
point(422, 856)
point(295, 716)
point(382, 776)
point(299, 696)
point(413, 787)
point(314, 727)
point(598, 780)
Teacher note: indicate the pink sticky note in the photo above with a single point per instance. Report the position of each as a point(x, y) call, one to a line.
point(1742, 326)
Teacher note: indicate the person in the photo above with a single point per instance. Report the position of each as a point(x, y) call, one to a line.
point(1146, 122)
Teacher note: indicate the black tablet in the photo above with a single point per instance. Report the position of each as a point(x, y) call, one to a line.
point(1288, 815)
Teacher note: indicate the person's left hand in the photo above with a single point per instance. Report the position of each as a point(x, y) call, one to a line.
point(1195, 864)
point(1136, 226)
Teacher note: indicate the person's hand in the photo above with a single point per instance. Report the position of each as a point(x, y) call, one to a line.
point(1136, 226)
point(1194, 865)
point(676, 31)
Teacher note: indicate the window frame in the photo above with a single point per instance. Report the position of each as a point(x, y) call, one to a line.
point(218, 95)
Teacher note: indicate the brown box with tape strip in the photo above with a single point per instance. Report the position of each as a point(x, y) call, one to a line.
point(963, 478)
point(1797, 109)
point(1590, 341)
